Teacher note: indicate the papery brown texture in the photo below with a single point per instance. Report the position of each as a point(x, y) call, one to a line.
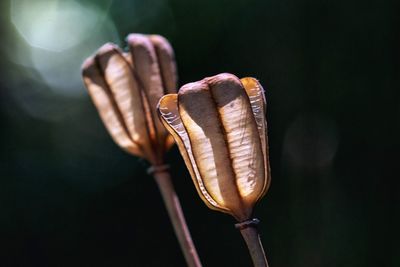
point(220, 127)
point(125, 88)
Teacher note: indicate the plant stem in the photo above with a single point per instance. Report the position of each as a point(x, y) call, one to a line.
point(163, 179)
point(252, 238)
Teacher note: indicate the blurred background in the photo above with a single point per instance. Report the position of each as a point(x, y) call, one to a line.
point(70, 197)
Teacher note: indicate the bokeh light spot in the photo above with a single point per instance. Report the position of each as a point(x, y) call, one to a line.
point(310, 142)
point(53, 25)
point(59, 35)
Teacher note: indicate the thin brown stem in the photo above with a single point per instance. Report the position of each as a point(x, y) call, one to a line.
point(252, 238)
point(177, 218)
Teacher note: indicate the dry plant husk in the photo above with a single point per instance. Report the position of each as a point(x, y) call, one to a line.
point(126, 87)
point(219, 124)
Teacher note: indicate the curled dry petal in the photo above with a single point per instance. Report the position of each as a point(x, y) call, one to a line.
point(125, 88)
point(220, 128)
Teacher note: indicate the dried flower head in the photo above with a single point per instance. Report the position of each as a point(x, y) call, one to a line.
point(220, 127)
point(125, 88)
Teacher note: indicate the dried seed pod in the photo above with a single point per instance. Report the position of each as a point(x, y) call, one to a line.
point(220, 127)
point(125, 88)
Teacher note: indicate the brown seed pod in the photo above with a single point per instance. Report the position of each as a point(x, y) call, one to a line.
point(125, 88)
point(220, 127)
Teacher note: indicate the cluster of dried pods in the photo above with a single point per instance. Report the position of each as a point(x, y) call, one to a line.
point(218, 123)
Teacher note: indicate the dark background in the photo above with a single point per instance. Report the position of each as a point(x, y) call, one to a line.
point(70, 197)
